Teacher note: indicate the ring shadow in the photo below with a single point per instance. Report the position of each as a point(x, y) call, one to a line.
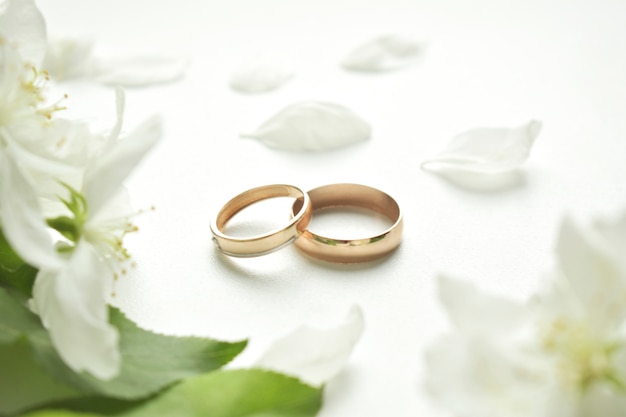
point(235, 264)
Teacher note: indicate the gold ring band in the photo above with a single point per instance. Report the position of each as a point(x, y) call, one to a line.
point(267, 242)
point(352, 250)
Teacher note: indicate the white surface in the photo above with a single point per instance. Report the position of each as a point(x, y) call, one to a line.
point(488, 63)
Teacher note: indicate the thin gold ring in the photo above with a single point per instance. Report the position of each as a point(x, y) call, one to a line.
point(351, 250)
point(267, 242)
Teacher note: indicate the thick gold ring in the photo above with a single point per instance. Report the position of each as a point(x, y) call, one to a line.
point(267, 242)
point(352, 250)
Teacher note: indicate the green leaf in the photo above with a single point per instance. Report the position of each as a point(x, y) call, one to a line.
point(22, 380)
point(14, 272)
point(17, 321)
point(150, 361)
point(60, 413)
point(23, 383)
point(103, 406)
point(236, 393)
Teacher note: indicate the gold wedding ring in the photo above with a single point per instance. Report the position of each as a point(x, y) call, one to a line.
point(264, 243)
point(350, 250)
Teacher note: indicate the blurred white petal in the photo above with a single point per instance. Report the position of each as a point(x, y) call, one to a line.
point(603, 400)
point(120, 102)
point(312, 126)
point(69, 57)
point(486, 150)
point(22, 220)
point(139, 70)
point(71, 302)
point(597, 278)
point(478, 378)
point(23, 25)
point(315, 355)
point(74, 57)
point(475, 313)
point(384, 53)
point(612, 233)
point(264, 72)
point(104, 177)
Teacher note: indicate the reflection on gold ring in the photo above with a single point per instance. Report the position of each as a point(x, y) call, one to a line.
point(267, 242)
point(351, 250)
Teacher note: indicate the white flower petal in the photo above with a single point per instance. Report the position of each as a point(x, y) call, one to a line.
point(486, 150)
point(71, 303)
point(68, 58)
point(475, 313)
point(23, 25)
point(477, 377)
point(384, 53)
point(120, 103)
point(612, 233)
point(22, 221)
point(603, 400)
point(315, 355)
point(105, 176)
point(312, 126)
point(595, 275)
point(138, 71)
point(264, 72)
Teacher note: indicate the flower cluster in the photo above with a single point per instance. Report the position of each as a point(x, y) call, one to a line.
point(562, 354)
point(63, 207)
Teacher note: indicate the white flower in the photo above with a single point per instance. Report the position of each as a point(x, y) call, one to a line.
point(22, 119)
point(312, 126)
point(315, 355)
point(563, 354)
point(71, 298)
point(37, 152)
point(42, 156)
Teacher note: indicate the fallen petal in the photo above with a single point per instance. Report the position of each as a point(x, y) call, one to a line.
point(312, 126)
point(264, 72)
point(384, 53)
point(138, 71)
point(315, 355)
point(486, 150)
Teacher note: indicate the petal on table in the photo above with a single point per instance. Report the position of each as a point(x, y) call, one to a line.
point(486, 150)
point(315, 355)
point(384, 53)
point(261, 73)
point(312, 126)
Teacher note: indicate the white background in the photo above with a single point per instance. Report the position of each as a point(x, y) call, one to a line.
point(486, 63)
